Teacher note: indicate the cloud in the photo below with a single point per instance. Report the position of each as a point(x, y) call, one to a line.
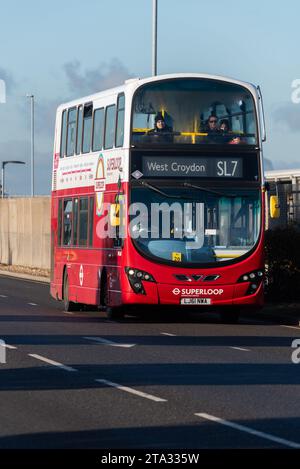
point(268, 165)
point(45, 113)
point(288, 114)
point(8, 79)
point(105, 75)
point(79, 83)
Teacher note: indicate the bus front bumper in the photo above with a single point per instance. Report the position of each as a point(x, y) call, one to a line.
point(193, 295)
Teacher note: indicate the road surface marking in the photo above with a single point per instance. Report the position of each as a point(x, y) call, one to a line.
point(243, 428)
point(32, 304)
point(240, 348)
point(292, 327)
point(167, 333)
point(52, 362)
point(67, 312)
point(11, 347)
point(102, 341)
point(3, 296)
point(131, 390)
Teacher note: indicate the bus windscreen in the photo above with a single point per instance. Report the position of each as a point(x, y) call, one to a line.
point(193, 111)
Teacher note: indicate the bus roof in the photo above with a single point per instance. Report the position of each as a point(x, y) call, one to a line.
point(134, 83)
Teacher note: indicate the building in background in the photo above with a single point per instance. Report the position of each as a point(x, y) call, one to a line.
point(285, 184)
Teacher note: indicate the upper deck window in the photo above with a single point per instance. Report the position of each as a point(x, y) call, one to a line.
point(120, 121)
point(71, 129)
point(63, 134)
point(193, 111)
point(87, 127)
point(110, 119)
point(98, 129)
point(79, 130)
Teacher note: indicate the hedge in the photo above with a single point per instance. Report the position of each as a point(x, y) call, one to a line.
point(282, 249)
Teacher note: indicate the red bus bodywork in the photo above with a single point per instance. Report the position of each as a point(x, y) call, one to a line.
point(105, 259)
point(91, 268)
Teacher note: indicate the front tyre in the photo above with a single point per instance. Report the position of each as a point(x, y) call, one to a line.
point(68, 305)
point(112, 312)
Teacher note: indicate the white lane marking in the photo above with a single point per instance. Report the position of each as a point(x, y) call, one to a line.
point(11, 347)
point(102, 341)
point(240, 348)
point(292, 327)
point(67, 312)
point(32, 304)
point(167, 333)
point(52, 362)
point(250, 430)
point(131, 390)
point(3, 296)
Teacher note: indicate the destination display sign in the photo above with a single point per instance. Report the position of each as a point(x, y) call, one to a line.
point(185, 166)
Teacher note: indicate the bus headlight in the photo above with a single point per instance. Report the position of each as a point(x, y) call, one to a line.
point(136, 278)
point(255, 277)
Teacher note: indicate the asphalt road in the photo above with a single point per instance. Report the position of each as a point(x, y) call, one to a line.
point(176, 381)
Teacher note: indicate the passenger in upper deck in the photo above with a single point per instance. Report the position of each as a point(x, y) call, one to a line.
point(161, 130)
point(227, 134)
point(212, 125)
point(212, 129)
point(224, 126)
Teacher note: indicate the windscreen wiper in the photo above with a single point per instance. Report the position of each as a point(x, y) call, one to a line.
point(204, 189)
point(156, 189)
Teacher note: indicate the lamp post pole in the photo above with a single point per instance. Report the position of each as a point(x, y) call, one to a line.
point(31, 96)
point(154, 38)
point(3, 164)
point(2, 180)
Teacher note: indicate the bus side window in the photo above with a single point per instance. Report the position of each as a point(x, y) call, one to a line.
point(98, 128)
point(87, 127)
point(63, 134)
point(91, 220)
point(83, 221)
point(59, 216)
point(110, 120)
point(71, 131)
point(120, 121)
point(67, 226)
point(79, 130)
point(75, 222)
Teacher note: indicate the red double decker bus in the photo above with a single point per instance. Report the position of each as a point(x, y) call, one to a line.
point(158, 196)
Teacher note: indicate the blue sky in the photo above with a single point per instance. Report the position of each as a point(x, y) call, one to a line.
point(63, 49)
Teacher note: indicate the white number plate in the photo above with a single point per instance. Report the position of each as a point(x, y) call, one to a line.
point(195, 301)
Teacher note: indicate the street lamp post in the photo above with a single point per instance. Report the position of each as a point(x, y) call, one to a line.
point(154, 38)
point(3, 164)
point(31, 96)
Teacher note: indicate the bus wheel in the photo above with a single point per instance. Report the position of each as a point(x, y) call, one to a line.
point(68, 305)
point(230, 317)
point(115, 312)
point(112, 312)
